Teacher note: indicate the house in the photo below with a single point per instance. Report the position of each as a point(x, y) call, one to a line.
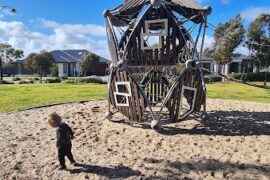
point(68, 63)
point(239, 64)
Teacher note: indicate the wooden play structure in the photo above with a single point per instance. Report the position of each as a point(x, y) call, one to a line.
point(155, 61)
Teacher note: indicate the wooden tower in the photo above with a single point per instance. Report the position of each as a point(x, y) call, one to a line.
point(155, 60)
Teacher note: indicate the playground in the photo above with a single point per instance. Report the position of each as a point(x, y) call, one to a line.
point(158, 117)
point(233, 143)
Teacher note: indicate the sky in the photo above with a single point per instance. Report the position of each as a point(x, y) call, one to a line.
point(58, 24)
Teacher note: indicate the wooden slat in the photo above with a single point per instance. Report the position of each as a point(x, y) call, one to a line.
point(173, 41)
point(138, 103)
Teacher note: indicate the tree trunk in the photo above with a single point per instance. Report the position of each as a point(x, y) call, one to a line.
point(223, 72)
point(1, 69)
point(40, 78)
point(265, 78)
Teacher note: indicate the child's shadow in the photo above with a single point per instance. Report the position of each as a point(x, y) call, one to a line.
point(116, 172)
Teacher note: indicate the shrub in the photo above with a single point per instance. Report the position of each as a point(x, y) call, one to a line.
point(5, 82)
point(64, 78)
point(212, 79)
point(16, 79)
point(34, 79)
point(90, 80)
point(31, 82)
point(54, 70)
point(251, 76)
point(23, 82)
point(57, 80)
point(72, 81)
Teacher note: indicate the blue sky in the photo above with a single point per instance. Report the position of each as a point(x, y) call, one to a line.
point(59, 24)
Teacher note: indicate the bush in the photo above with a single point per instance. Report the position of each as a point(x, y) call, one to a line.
point(57, 80)
point(72, 81)
point(54, 70)
point(16, 79)
point(34, 79)
point(31, 82)
point(90, 80)
point(64, 78)
point(23, 82)
point(212, 79)
point(251, 76)
point(5, 82)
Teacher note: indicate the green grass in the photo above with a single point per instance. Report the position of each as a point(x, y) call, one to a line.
point(14, 97)
point(236, 91)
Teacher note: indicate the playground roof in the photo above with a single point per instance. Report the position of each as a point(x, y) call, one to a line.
point(131, 8)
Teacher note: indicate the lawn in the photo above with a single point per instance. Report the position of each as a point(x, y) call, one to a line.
point(13, 97)
point(236, 91)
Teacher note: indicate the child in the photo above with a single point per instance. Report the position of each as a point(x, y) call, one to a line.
point(64, 136)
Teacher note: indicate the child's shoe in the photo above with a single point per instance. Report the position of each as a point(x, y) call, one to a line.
point(74, 163)
point(62, 168)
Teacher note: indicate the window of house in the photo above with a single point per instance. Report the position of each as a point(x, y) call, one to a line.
point(65, 68)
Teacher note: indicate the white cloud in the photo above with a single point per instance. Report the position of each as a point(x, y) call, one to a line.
point(91, 29)
point(208, 42)
point(63, 36)
point(242, 50)
point(208, 1)
point(252, 13)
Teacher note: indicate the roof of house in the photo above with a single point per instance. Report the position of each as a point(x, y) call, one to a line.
point(69, 56)
point(72, 56)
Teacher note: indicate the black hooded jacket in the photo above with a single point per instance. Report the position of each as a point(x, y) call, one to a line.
point(64, 135)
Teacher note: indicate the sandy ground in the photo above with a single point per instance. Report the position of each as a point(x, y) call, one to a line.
point(234, 143)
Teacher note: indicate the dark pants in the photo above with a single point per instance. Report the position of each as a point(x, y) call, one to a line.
point(65, 151)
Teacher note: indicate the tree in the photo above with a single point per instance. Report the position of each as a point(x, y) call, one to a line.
point(39, 63)
point(54, 70)
point(227, 37)
point(259, 41)
point(89, 64)
point(7, 55)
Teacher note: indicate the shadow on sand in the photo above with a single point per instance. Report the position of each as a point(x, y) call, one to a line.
point(226, 123)
point(117, 172)
point(228, 169)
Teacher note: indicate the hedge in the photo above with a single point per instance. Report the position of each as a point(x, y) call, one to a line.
point(212, 78)
point(57, 80)
point(16, 79)
point(251, 76)
point(90, 80)
point(5, 82)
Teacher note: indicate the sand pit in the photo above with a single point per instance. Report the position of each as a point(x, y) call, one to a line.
point(234, 143)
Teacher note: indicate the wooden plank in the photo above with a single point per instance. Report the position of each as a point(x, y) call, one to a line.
point(177, 106)
point(175, 95)
point(140, 57)
point(156, 57)
point(132, 109)
point(125, 109)
point(150, 56)
point(137, 101)
point(167, 46)
point(135, 48)
point(173, 41)
point(129, 56)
